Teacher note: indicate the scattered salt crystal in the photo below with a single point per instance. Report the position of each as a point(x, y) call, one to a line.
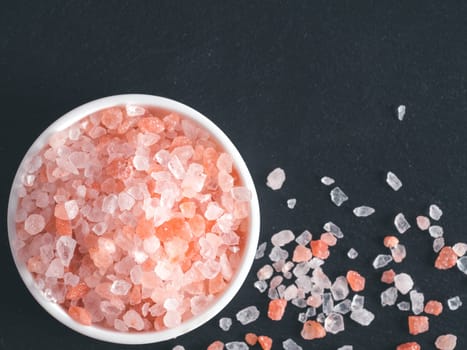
point(446, 342)
point(462, 264)
point(393, 181)
point(401, 112)
point(302, 317)
point(65, 248)
point(328, 303)
point(403, 306)
point(358, 302)
point(261, 250)
point(454, 303)
point(403, 282)
point(340, 288)
point(460, 248)
point(435, 212)
point(398, 253)
point(236, 345)
point(326, 180)
point(334, 229)
point(334, 323)
point(289, 344)
point(362, 316)
point(276, 179)
point(304, 238)
point(352, 253)
point(423, 222)
point(343, 307)
point(299, 302)
point(247, 315)
point(389, 296)
point(261, 286)
point(321, 317)
point(338, 196)
point(34, 224)
point(120, 287)
point(291, 203)
point(417, 299)
point(278, 253)
point(225, 323)
point(438, 244)
point(382, 260)
point(265, 272)
point(363, 211)
point(282, 238)
point(436, 231)
point(401, 223)
point(125, 201)
point(141, 163)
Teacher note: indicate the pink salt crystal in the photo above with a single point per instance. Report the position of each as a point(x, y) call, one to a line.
point(188, 209)
point(423, 222)
point(225, 181)
point(151, 244)
point(65, 248)
point(125, 201)
point(241, 194)
point(21, 215)
point(162, 157)
point(276, 179)
point(224, 162)
point(195, 178)
point(213, 211)
point(110, 204)
point(42, 200)
point(34, 224)
point(120, 287)
point(133, 320)
point(136, 274)
point(446, 342)
point(172, 319)
point(60, 211)
point(55, 269)
point(329, 239)
point(209, 269)
point(199, 303)
point(72, 209)
point(71, 279)
point(80, 160)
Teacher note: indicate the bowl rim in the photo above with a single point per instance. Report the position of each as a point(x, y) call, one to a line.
point(250, 246)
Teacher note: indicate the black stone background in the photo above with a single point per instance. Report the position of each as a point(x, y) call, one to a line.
point(310, 86)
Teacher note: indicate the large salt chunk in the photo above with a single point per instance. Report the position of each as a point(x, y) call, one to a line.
point(362, 316)
point(55, 269)
point(363, 211)
point(195, 178)
point(334, 323)
point(401, 223)
point(403, 282)
point(343, 307)
point(389, 296)
point(393, 181)
point(289, 344)
point(276, 179)
point(382, 260)
point(72, 209)
point(340, 288)
point(247, 315)
point(213, 211)
point(417, 299)
point(65, 248)
point(435, 212)
point(338, 196)
point(282, 238)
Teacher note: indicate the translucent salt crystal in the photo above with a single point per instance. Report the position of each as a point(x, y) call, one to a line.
point(100, 228)
point(141, 163)
point(65, 248)
point(304, 238)
point(462, 264)
point(289, 344)
point(291, 203)
point(363, 211)
point(288, 275)
point(224, 162)
point(299, 302)
point(120, 287)
point(460, 248)
point(151, 244)
point(70, 279)
point(287, 266)
point(241, 194)
point(125, 201)
point(213, 211)
point(136, 274)
point(55, 269)
point(278, 253)
point(120, 326)
point(334, 323)
point(401, 112)
point(398, 252)
point(321, 317)
point(438, 244)
point(225, 323)
point(275, 281)
point(334, 229)
point(315, 262)
point(446, 342)
point(436, 231)
point(265, 272)
point(282, 238)
point(423, 222)
point(276, 179)
point(236, 345)
point(340, 288)
point(435, 212)
point(393, 181)
point(110, 204)
point(343, 307)
point(301, 269)
point(382, 260)
point(352, 253)
point(178, 347)
point(338, 196)
point(72, 209)
point(454, 303)
point(328, 303)
point(261, 250)
point(195, 178)
point(247, 315)
point(290, 292)
point(417, 299)
point(261, 286)
point(389, 296)
point(403, 282)
point(358, 301)
point(346, 347)
point(401, 223)
point(134, 110)
point(34, 224)
point(273, 294)
point(172, 319)
point(326, 180)
point(302, 317)
point(403, 306)
point(281, 290)
point(176, 167)
point(362, 316)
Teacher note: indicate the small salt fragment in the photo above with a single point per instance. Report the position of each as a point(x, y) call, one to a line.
point(352, 253)
point(362, 316)
point(225, 323)
point(334, 323)
point(282, 238)
point(446, 342)
point(382, 260)
point(340, 288)
point(321, 317)
point(302, 317)
point(289, 344)
point(418, 301)
point(438, 244)
point(403, 306)
point(436, 231)
point(454, 303)
point(310, 312)
point(358, 301)
point(393, 181)
point(343, 307)
point(462, 264)
point(278, 253)
point(328, 181)
point(291, 203)
point(460, 249)
point(120, 287)
point(247, 315)
point(276, 179)
point(265, 272)
point(398, 253)
point(363, 211)
point(261, 286)
point(401, 112)
point(389, 297)
point(435, 212)
point(403, 282)
point(423, 222)
point(334, 229)
point(304, 238)
point(236, 345)
point(401, 223)
point(261, 250)
point(338, 197)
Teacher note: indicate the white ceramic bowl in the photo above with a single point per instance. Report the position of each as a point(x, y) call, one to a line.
point(249, 249)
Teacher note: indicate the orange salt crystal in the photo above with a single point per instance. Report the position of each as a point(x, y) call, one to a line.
point(77, 292)
point(176, 227)
point(217, 345)
point(144, 228)
point(151, 125)
point(446, 259)
point(301, 254)
point(409, 346)
point(433, 307)
point(80, 315)
point(63, 227)
point(251, 339)
point(312, 330)
point(319, 249)
point(276, 309)
point(418, 324)
point(265, 342)
point(329, 239)
point(390, 241)
point(356, 281)
point(135, 295)
point(119, 168)
point(388, 276)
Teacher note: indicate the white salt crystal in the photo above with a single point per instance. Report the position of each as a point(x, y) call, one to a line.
point(438, 244)
point(417, 299)
point(261, 250)
point(358, 302)
point(462, 264)
point(340, 288)
point(289, 344)
point(401, 223)
point(290, 292)
point(362, 316)
point(454, 303)
point(282, 238)
point(141, 163)
point(299, 302)
point(236, 345)
point(276, 179)
point(338, 196)
point(436, 231)
point(278, 254)
point(225, 323)
point(326, 180)
point(403, 306)
point(352, 253)
point(403, 282)
point(401, 112)
point(328, 303)
point(343, 307)
point(291, 203)
point(363, 211)
point(65, 248)
point(213, 211)
point(334, 229)
point(334, 323)
point(302, 317)
point(265, 272)
point(178, 347)
point(346, 347)
point(382, 260)
point(72, 209)
point(304, 238)
point(460, 248)
point(435, 212)
point(120, 287)
point(247, 315)
point(261, 286)
point(389, 296)
point(393, 181)
point(110, 204)
point(34, 224)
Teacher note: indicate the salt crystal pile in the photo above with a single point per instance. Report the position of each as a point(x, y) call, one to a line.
point(393, 181)
point(363, 211)
point(338, 196)
point(276, 179)
point(133, 219)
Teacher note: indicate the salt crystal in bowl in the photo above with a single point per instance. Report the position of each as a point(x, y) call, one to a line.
point(34, 224)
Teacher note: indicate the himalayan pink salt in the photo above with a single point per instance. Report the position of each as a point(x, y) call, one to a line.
point(446, 342)
point(276, 179)
point(133, 320)
point(423, 222)
point(65, 248)
point(56, 269)
point(125, 201)
point(213, 211)
point(34, 224)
